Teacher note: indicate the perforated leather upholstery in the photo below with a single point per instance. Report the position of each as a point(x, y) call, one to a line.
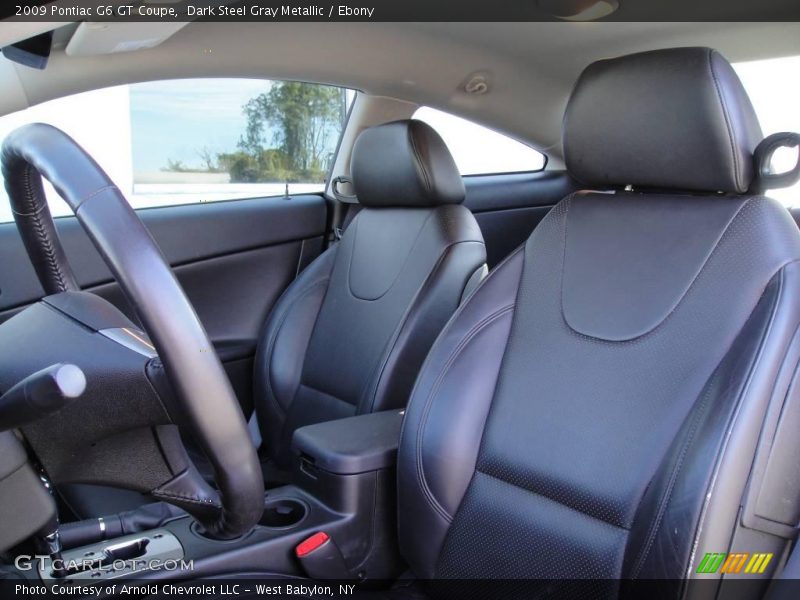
point(593, 410)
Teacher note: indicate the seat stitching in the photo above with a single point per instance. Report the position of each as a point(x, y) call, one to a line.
point(678, 304)
point(399, 271)
point(327, 394)
point(666, 497)
point(551, 499)
point(477, 328)
point(420, 475)
point(392, 343)
point(273, 338)
point(421, 165)
point(728, 124)
point(733, 421)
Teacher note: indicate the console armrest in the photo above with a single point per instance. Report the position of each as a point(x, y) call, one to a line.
point(352, 445)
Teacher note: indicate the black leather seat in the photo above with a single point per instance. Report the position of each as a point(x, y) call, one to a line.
point(593, 411)
point(618, 398)
point(350, 334)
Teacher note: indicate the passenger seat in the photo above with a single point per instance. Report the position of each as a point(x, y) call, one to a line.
point(349, 335)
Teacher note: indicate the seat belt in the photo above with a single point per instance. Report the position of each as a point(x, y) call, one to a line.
point(345, 210)
point(350, 212)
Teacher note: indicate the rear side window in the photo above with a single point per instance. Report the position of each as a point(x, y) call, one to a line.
point(199, 140)
point(774, 88)
point(478, 150)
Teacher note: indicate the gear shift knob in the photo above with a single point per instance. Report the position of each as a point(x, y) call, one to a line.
point(50, 540)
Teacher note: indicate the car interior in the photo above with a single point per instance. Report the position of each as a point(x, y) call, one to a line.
point(576, 379)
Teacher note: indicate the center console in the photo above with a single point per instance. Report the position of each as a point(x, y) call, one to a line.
point(342, 493)
point(349, 466)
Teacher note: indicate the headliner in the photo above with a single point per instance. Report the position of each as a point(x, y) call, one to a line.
point(531, 66)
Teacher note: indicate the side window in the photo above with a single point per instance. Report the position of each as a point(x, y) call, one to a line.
point(478, 150)
point(199, 140)
point(774, 88)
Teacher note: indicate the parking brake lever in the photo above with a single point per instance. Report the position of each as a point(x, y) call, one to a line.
point(41, 394)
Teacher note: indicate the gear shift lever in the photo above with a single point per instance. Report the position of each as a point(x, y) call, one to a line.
point(49, 539)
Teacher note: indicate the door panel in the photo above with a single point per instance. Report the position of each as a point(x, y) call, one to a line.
point(508, 207)
point(233, 293)
point(233, 259)
point(186, 234)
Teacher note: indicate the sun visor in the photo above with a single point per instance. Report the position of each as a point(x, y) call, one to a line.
point(94, 39)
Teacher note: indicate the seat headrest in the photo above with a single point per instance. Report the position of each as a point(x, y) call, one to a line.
point(672, 119)
point(404, 163)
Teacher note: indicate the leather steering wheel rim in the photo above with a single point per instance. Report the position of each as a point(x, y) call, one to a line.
point(203, 392)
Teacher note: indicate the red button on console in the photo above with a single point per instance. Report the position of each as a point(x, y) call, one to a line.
point(310, 544)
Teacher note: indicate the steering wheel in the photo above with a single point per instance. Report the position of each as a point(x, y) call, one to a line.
point(202, 393)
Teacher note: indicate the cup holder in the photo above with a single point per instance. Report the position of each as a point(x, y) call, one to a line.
point(282, 512)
